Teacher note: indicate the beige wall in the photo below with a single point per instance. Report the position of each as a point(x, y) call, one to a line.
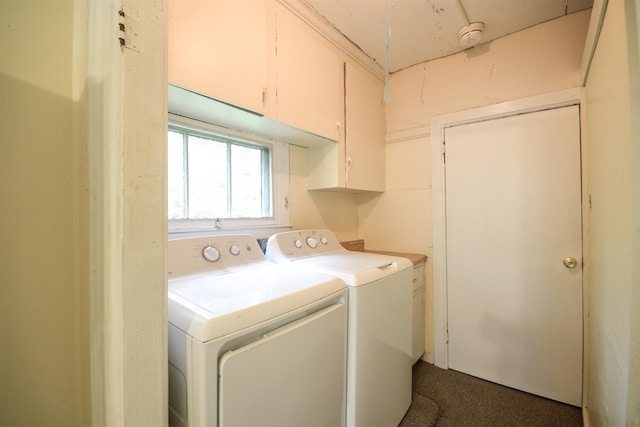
point(44, 337)
point(44, 303)
point(541, 59)
point(613, 345)
point(538, 60)
point(58, 316)
point(319, 209)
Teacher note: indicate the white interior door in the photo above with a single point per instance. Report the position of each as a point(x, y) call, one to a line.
point(513, 214)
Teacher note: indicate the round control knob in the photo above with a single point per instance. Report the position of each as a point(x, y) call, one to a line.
point(297, 243)
point(234, 250)
point(211, 254)
point(312, 242)
point(324, 240)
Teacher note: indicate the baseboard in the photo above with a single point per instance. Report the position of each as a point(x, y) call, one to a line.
point(427, 357)
point(585, 416)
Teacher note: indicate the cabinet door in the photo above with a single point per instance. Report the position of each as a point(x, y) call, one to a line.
point(309, 78)
point(418, 313)
point(219, 48)
point(364, 133)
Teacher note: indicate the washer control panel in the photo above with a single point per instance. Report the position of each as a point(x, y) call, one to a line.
point(212, 253)
point(291, 245)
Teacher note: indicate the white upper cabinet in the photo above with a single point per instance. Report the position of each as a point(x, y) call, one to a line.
point(364, 132)
point(357, 162)
point(261, 56)
point(309, 78)
point(219, 48)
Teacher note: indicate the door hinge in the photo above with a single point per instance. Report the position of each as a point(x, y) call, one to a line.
point(127, 31)
point(444, 152)
point(446, 336)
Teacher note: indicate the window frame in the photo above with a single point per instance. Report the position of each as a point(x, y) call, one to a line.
point(279, 184)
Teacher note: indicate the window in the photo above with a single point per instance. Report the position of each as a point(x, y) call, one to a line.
point(218, 179)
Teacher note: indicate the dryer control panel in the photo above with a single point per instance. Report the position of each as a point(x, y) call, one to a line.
point(292, 245)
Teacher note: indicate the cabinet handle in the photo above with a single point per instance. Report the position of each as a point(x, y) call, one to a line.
point(348, 163)
point(338, 126)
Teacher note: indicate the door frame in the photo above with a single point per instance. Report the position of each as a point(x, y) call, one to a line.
point(125, 120)
point(439, 123)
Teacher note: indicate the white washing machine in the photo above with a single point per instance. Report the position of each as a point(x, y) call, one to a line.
point(252, 343)
point(380, 320)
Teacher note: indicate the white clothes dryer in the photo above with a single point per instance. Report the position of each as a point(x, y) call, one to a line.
point(380, 320)
point(252, 343)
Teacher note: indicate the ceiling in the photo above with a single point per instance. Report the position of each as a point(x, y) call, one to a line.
point(421, 30)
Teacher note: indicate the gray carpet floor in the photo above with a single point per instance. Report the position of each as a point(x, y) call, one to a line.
point(446, 398)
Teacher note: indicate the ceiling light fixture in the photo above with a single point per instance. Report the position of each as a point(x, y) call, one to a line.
point(471, 33)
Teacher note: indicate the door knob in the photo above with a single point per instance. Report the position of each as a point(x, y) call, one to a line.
point(570, 262)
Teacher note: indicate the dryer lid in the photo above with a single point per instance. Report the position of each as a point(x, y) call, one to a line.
point(355, 268)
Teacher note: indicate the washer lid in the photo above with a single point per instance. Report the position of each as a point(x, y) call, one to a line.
point(355, 268)
point(208, 306)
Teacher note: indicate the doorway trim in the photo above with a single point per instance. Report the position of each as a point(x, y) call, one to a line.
point(126, 127)
point(439, 123)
